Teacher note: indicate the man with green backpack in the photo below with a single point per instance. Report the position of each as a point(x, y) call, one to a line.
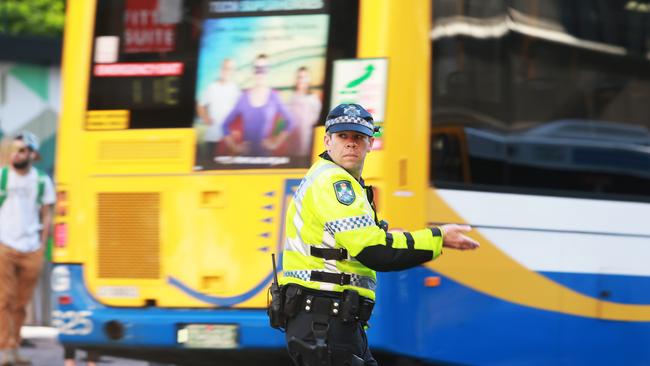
point(26, 200)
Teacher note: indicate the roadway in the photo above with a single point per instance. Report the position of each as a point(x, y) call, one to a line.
point(42, 348)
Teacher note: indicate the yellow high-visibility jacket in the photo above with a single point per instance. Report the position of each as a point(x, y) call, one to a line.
point(333, 241)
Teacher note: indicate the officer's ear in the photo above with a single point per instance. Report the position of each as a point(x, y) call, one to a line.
point(371, 140)
point(327, 139)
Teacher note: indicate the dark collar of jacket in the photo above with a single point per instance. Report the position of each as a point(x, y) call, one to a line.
point(326, 156)
point(370, 195)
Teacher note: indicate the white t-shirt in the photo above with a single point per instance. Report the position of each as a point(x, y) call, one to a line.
point(220, 99)
point(20, 214)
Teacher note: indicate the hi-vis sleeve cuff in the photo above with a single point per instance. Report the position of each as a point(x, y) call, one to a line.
point(403, 250)
point(438, 238)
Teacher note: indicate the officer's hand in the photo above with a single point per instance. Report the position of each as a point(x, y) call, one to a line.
point(455, 239)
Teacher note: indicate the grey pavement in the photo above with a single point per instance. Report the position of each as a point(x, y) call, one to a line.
point(46, 351)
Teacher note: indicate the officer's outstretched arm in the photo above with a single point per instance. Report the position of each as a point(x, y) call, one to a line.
point(385, 258)
point(391, 257)
point(349, 220)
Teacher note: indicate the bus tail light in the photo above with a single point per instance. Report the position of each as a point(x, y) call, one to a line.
point(60, 235)
point(61, 207)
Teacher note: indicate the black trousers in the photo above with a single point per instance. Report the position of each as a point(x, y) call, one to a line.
point(342, 339)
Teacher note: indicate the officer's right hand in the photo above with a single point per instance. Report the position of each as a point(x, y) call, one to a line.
point(454, 238)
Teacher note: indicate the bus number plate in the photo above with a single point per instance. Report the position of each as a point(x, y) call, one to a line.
point(208, 336)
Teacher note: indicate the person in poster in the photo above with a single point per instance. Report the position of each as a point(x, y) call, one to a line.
point(305, 107)
point(265, 121)
point(215, 104)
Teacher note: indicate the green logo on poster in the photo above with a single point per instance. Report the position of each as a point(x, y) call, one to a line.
point(356, 82)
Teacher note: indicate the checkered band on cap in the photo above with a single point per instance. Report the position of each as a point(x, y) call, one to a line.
point(348, 119)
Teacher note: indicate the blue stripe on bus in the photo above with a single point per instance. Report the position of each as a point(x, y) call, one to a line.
point(221, 300)
point(153, 326)
point(456, 324)
point(617, 288)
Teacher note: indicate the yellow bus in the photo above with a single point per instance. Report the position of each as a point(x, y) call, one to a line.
point(187, 125)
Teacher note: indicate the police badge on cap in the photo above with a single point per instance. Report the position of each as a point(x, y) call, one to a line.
point(350, 117)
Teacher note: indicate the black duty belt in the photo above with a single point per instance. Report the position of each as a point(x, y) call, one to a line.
point(347, 305)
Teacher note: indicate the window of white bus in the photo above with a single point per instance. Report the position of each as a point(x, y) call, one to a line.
point(540, 97)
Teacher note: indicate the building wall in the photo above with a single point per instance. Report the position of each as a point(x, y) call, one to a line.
point(29, 100)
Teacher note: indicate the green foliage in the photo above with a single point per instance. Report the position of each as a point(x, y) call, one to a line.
point(32, 17)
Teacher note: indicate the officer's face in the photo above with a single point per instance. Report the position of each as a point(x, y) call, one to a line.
point(348, 149)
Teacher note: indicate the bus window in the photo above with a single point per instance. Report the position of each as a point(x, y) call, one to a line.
point(249, 77)
point(547, 100)
point(143, 62)
point(447, 147)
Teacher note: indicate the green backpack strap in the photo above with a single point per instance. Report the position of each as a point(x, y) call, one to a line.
point(41, 186)
point(4, 174)
point(3, 184)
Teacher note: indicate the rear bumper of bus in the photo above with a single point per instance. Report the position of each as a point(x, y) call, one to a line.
point(82, 321)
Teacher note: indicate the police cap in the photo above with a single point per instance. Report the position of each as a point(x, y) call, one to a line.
point(349, 117)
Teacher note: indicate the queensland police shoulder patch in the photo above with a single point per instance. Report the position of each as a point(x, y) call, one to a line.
point(344, 192)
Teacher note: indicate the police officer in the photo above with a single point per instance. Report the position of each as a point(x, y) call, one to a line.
point(334, 244)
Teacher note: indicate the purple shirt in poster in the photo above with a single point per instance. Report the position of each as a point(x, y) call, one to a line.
point(258, 122)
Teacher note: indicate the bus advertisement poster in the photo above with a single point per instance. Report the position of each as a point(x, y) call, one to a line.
point(259, 90)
